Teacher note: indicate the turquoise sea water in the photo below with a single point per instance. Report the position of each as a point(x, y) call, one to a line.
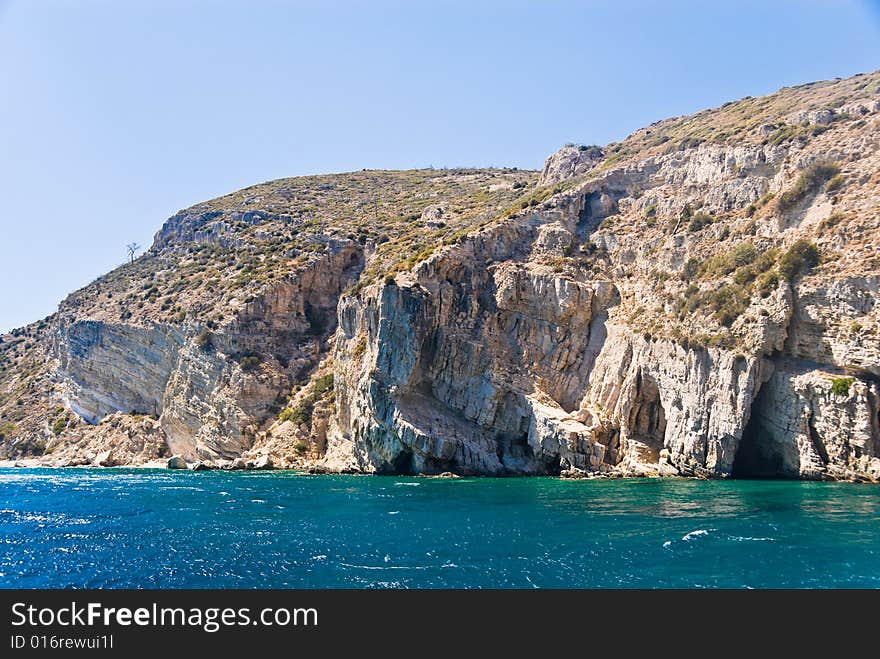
point(129, 528)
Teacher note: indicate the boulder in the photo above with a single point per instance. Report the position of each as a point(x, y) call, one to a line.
point(176, 462)
point(105, 459)
point(263, 462)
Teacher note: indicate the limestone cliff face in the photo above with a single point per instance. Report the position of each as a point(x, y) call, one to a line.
point(484, 362)
point(208, 391)
point(469, 364)
point(697, 300)
point(106, 368)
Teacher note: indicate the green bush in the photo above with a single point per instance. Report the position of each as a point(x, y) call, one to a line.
point(203, 340)
point(249, 362)
point(767, 283)
point(766, 198)
point(744, 275)
point(810, 180)
point(728, 303)
point(783, 134)
point(59, 425)
point(840, 386)
point(688, 142)
point(300, 447)
point(743, 254)
point(690, 270)
point(800, 258)
point(698, 221)
point(302, 413)
point(322, 385)
point(7, 430)
point(766, 260)
point(834, 183)
point(831, 221)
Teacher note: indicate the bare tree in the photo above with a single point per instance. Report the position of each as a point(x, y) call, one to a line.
point(132, 248)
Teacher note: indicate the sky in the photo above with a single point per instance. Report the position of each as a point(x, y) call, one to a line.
point(116, 114)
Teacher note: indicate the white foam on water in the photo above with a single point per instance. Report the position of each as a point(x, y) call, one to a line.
point(399, 567)
point(693, 535)
point(409, 484)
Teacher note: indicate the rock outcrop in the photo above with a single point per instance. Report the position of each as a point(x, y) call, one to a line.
point(809, 423)
point(697, 300)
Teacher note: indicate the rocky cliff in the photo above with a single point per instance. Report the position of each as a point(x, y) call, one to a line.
point(696, 300)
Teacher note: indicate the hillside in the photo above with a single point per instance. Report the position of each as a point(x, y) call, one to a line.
point(697, 300)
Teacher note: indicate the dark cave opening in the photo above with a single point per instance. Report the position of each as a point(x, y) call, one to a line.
point(612, 447)
point(754, 456)
point(647, 421)
point(400, 465)
point(586, 211)
point(318, 319)
point(876, 433)
point(515, 454)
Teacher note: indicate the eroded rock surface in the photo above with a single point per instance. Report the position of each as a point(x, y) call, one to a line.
point(697, 300)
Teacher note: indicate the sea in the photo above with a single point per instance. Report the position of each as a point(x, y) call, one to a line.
point(143, 528)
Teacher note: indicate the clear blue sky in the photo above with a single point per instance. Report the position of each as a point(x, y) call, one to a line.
point(115, 114)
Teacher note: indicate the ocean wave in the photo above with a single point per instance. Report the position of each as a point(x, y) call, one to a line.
point(690, 536)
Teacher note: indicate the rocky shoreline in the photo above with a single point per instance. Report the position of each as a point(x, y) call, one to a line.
point(267, 466)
